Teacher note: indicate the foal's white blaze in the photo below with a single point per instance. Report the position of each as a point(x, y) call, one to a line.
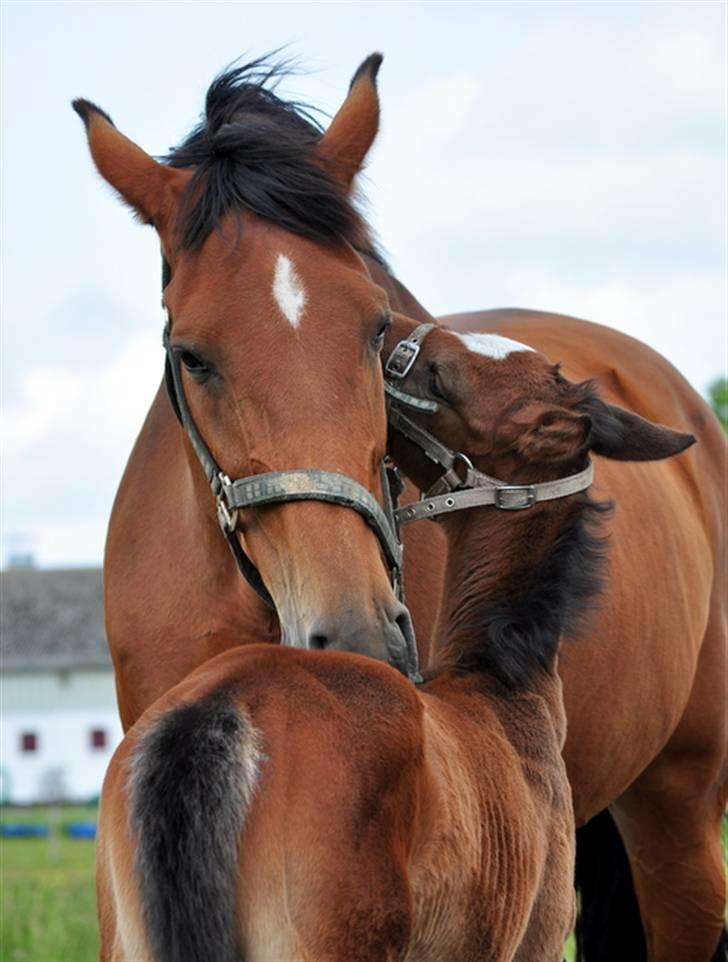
point(289, 291)
point(492, 345)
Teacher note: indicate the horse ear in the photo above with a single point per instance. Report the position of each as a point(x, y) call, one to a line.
point(625, 436)
point(352, 131)
point(151, 189)
point(546, 435)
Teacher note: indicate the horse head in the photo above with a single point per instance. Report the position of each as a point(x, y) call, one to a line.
point(274, 336)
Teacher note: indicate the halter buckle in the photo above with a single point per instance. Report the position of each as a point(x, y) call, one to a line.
point(227, 519)
point(400, 361)
point(514, 497)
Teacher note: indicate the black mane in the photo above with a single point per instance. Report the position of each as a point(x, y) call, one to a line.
point(514, 639)
point(254, 151)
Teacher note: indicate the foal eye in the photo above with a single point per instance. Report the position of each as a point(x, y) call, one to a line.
point(435, 383)
point(378, 339)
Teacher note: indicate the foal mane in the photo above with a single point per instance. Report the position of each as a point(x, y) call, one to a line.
point(517, 636)
point(512, 611)
point(254, 151)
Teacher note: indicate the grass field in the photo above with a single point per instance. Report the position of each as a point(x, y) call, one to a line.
point(48, 905)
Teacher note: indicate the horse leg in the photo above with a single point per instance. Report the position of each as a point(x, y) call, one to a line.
point(673, 843)
point(670, 821)
point(606, 893)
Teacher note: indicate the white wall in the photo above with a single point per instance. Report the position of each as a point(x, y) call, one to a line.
point(61, 709)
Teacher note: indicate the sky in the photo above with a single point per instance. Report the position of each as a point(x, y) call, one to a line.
point(568, 157)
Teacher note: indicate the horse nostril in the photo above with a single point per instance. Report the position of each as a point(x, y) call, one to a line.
point(317, 642)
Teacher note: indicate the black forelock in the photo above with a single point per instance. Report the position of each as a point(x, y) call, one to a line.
point(254, 151)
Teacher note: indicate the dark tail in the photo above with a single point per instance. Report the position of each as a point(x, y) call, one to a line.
point(609, 927)
point(192, 779)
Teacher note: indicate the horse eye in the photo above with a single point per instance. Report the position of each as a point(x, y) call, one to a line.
point(194, 365)
point(378, 339)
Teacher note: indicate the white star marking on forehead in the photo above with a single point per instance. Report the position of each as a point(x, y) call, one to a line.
point(288, 291)
point(491, 345)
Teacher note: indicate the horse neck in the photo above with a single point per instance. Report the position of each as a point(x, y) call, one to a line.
point(400, 298)
point(514, 584)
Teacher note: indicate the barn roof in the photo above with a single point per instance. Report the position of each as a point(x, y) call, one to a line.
point(52, 620)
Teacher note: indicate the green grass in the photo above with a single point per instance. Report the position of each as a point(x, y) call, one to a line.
point(48, 902)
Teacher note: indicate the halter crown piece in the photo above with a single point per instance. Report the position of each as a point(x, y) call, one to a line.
point(461, 485)
point(276, 487)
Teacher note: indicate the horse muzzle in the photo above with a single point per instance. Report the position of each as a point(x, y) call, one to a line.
point(387, 636)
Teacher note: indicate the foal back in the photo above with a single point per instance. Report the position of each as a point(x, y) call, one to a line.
point(292, 805)
point(262, 810)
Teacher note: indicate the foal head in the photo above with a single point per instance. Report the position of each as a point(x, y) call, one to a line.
point(278, 329)
point(514, 413)
point(517, 579)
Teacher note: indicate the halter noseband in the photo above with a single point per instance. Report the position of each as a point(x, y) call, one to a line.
point(461, 485)
point(276, 487)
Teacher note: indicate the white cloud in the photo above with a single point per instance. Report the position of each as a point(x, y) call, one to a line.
point(65, 444)
point(48, 397)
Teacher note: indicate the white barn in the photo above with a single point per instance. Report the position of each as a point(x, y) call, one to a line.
point(57, 699)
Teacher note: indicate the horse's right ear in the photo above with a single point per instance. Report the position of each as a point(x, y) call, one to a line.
point(352, 131)
point(151, 189)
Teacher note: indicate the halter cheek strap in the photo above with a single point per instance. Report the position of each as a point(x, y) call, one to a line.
point(277, 487)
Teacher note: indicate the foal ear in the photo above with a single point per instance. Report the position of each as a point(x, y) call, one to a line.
point(150, 188)
point(352, 131)
point(625, 436)
point(555, 435)
point(545, 435)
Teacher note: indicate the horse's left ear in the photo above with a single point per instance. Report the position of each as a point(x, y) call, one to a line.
point(625, 436)
point(352, 131)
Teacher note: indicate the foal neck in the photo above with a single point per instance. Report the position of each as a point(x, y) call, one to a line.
point(515, 583)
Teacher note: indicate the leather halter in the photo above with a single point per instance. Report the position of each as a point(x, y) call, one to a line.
point(461, 485)
point(277, 487)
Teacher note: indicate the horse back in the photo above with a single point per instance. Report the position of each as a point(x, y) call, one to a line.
point(655, 640)
point(628, 373)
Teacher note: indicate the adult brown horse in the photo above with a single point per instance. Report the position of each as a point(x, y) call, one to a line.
point(644, 689)
point(273, 341)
